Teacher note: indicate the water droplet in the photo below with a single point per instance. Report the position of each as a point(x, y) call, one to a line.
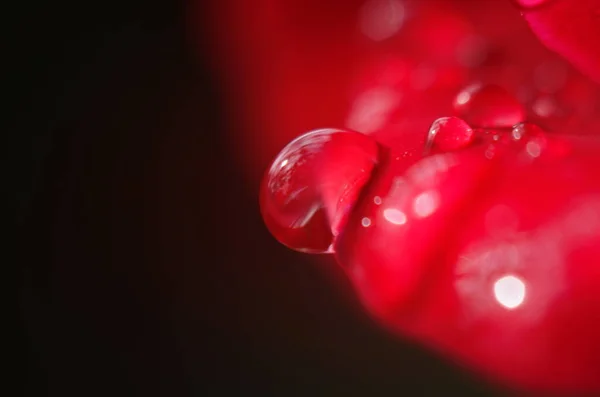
point(522, 130)
point(312, 184)
point(488, 106)
point(533, 137)
point(448, 133)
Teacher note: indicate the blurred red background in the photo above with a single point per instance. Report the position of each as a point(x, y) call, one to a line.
point(142, 132)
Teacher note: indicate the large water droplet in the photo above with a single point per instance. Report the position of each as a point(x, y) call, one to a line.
point(488, 106)
point(449, 133)
point(312, 184)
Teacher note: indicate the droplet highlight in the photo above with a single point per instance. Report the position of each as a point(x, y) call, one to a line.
point(312, 185)
point(510, 291)
point(448, 133)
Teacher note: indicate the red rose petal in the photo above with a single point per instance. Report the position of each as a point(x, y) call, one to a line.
point(572, 29)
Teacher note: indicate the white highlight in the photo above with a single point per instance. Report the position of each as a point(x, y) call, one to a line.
point(544, 106)
point(463, 97)
point(426, 203)
point(372, 108)
point(509, 291)
point(394, 216)
point(533, 149)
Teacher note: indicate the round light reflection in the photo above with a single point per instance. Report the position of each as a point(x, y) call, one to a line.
point(394, 216)
point(426, 203)
point(510, 291)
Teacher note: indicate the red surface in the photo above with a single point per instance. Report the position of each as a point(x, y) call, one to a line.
point(481, 243)
point(294, 66)
point(448, 133)
point(441, 234)
point(488, 106)
point(488, 254)
point(572, 29)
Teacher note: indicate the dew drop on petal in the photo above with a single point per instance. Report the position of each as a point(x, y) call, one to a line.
point(449, 133)
point(522, 130)
point(312, 184)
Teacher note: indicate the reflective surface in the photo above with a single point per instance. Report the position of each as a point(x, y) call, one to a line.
point(457, 236)
point(476, 253)
point(312, 184)
point(448, 133)
point(369, 66)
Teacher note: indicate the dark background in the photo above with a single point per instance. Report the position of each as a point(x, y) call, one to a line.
point(143, 265)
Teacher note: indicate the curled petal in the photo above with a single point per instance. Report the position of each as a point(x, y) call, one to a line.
point(572, 29)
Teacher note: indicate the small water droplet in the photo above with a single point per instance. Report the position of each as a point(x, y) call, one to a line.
point(518, 132)
point(533, 137)
point(525, 129)
point(448, 133)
